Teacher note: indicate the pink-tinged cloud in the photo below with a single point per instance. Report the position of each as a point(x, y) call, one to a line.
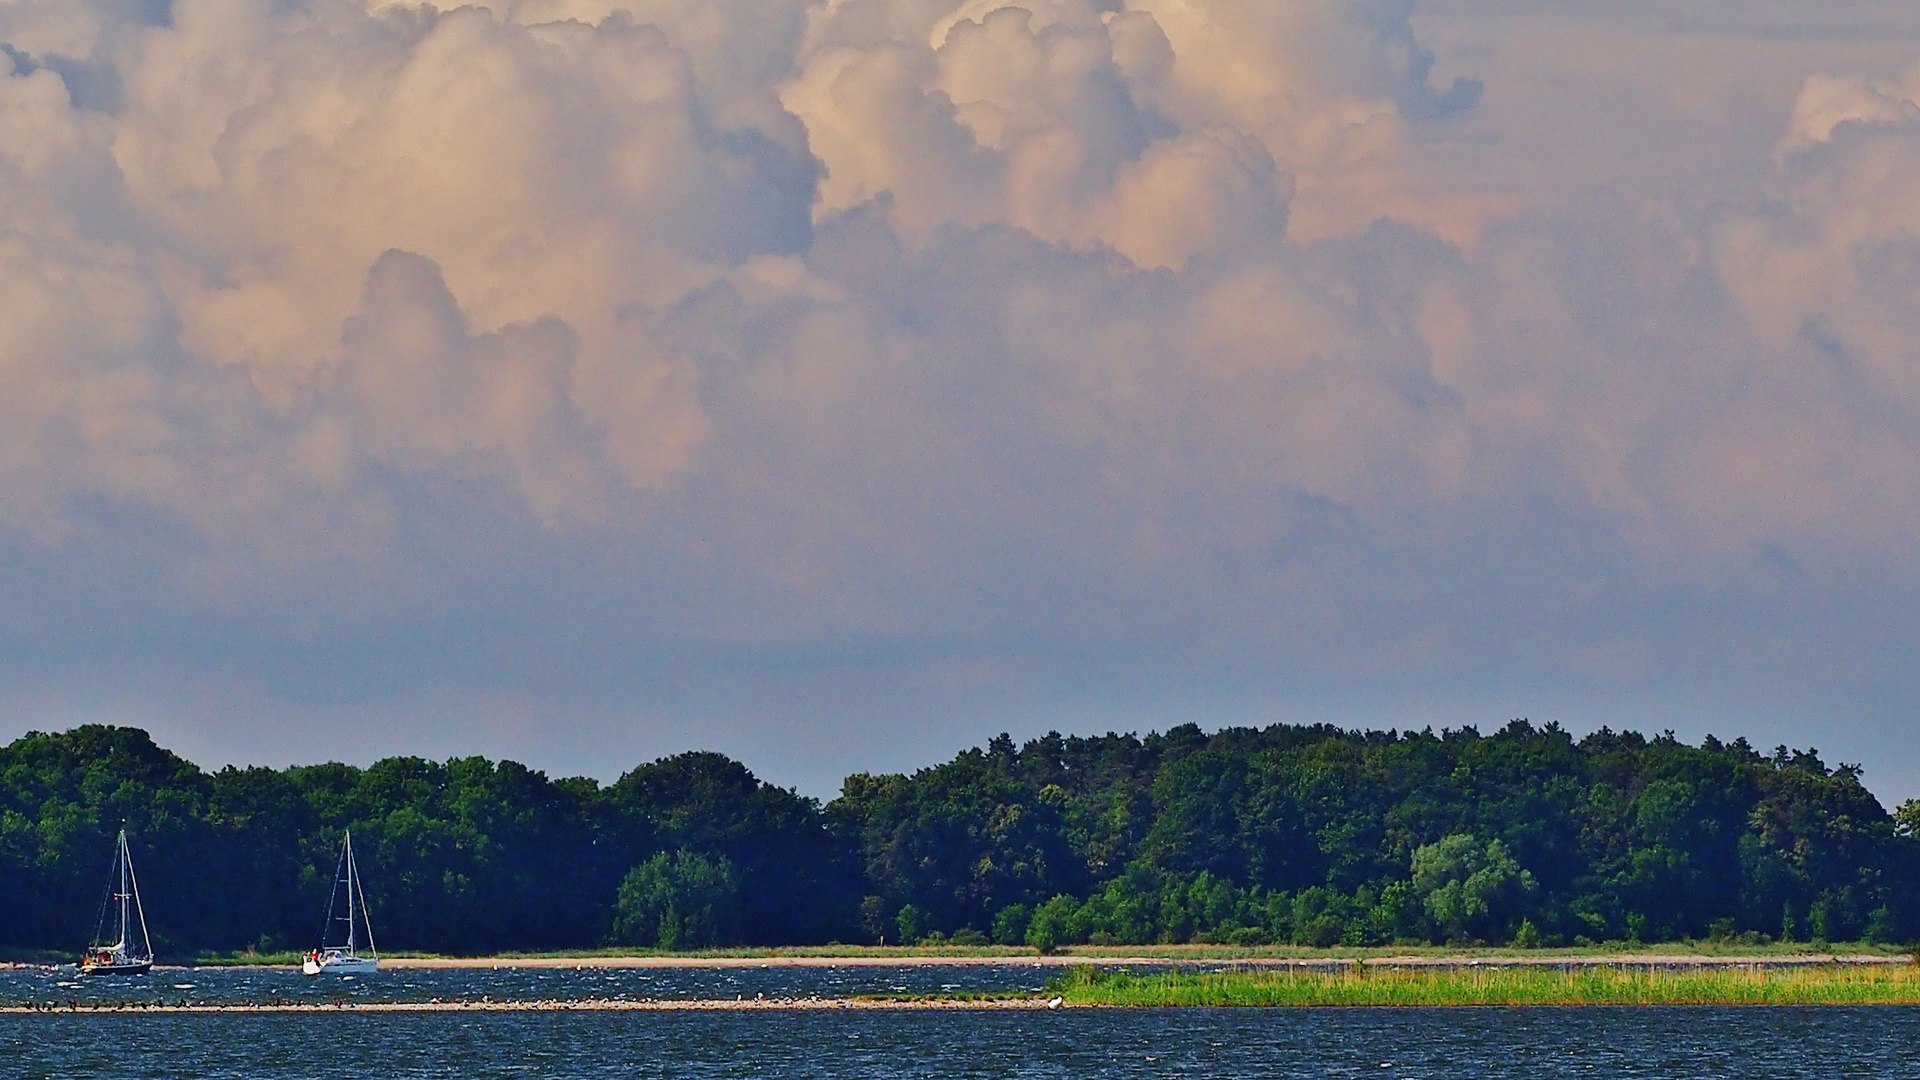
point(753, 370)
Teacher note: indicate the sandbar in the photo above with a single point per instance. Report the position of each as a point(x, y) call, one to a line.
point(543, 1005)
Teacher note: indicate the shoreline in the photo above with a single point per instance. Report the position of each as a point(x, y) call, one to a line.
point(1407, 981)
point(1511, 987)
point(544, 1005)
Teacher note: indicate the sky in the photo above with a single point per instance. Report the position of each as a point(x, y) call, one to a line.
point(837, 383)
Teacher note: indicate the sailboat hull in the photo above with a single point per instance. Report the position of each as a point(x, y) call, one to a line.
point(341, 965)
point(132, 967)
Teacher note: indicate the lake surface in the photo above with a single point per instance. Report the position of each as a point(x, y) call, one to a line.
point(1231, 1044)
point(230, 986)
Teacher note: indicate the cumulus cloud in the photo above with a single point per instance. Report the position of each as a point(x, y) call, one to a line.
point(263, 160)
point(265, 176)
point(1824, 276)
point(1015, 323)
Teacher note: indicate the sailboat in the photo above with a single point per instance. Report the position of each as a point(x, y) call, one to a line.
point(346, 958)
point(120, 955)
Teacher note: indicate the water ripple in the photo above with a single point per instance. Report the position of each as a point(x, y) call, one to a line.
point(1229, 1044)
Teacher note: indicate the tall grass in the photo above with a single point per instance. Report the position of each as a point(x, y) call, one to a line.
point(1832, 984)
point(1677, 949)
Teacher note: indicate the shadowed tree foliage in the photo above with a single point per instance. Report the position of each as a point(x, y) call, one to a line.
point(463, 856)
point(1310, 835)
point(1315, 835)
point(797, 881)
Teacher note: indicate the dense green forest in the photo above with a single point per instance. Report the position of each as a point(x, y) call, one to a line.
point(1306, 835)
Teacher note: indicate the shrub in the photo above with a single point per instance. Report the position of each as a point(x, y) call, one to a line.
point(1880, 928)
point(1010, 925)
point(680, 901)
point(1468, 887)
point(1051, 925)
point(912, 923)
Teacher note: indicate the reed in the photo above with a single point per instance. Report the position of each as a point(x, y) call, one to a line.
point(250, 958)
point(1828, 984)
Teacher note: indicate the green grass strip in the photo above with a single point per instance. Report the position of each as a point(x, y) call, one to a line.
point(1834, 984)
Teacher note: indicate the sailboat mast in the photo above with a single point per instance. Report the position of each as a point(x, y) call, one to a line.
point(121, 858)
point(350, 934)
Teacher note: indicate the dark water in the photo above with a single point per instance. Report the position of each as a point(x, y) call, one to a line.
point(1537, 1044)
point(278, 985)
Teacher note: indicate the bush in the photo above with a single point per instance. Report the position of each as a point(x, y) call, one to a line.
point(1880, 928)
point(1324, 917)
point(1010, 925)
point(912, 923)
point(1051, 925)
point(1469, 887)
point(680, 901)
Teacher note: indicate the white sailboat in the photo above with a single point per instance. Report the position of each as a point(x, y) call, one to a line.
point(119, 954)
point(346, 958)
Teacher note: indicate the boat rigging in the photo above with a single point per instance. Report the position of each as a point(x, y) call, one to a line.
point(120, 954)
point(345, 958)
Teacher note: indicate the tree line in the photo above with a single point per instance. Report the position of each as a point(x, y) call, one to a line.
point(1308, 835)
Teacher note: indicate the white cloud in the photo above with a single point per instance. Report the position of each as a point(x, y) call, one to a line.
point(908, 320)
point(261, 161)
